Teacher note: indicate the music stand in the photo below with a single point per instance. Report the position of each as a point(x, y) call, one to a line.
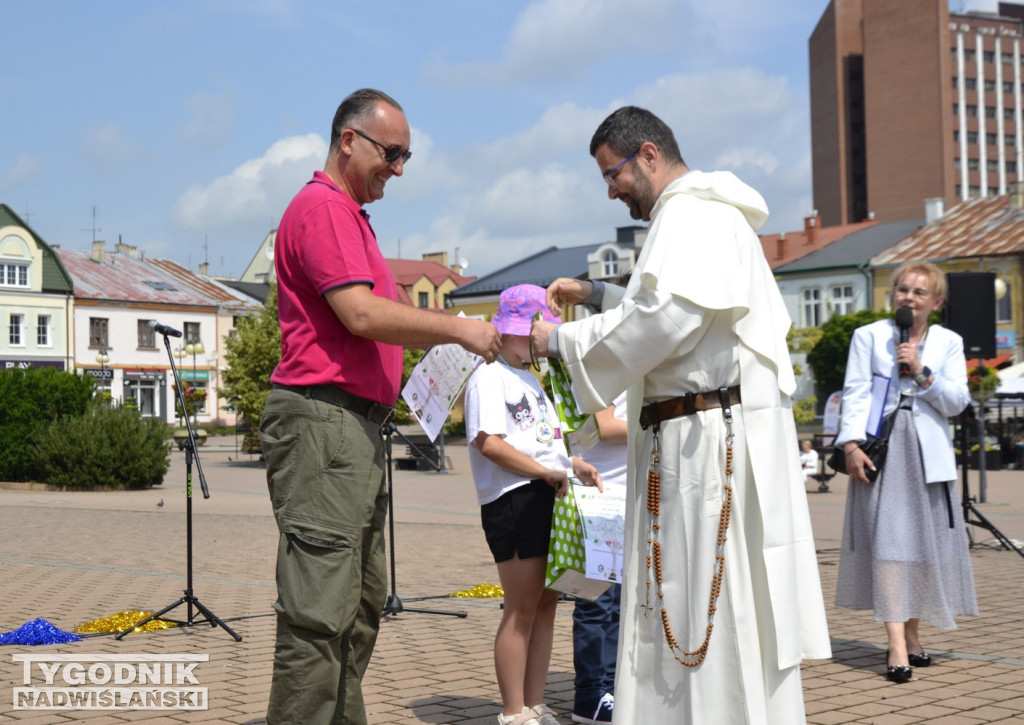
point(187, 444)
point(967, 502)
point(393, 604)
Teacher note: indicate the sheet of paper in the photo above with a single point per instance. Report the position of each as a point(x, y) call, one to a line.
point(435, 384)
point(604, 529)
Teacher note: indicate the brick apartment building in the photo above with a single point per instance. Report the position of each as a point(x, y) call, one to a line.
point(911, 102)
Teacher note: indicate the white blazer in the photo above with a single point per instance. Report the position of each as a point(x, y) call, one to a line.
point(873, 352)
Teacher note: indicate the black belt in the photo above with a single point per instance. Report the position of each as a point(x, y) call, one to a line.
point(333, 395)
point(687, 405)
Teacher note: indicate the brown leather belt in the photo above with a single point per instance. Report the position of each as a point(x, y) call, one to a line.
point(333, 395)
point(686, 405)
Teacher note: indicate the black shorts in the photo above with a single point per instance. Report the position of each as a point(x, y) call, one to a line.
point(519, 522)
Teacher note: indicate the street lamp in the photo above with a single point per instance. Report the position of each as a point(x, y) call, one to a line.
point(102, 357)
point(193, 349)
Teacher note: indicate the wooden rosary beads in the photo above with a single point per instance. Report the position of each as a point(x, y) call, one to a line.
point(690, 658)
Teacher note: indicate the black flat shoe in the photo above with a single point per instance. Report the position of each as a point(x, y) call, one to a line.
point(898, 674)
point(922, 659)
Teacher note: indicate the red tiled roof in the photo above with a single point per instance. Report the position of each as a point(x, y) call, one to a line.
point(1000, 360)
point(123, 278)
point(408, 271)
point(983, 226)
point(780, 249)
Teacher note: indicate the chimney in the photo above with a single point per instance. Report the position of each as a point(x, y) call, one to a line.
point(99, 248)
point(934, 209)
point(204, 269)
point(128, 250)
point(780, 246)
point(811, 227)
point(1016, 193)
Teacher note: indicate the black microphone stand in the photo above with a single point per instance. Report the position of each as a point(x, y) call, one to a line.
point(191, 452)
point(967, 502)
point(393, 604)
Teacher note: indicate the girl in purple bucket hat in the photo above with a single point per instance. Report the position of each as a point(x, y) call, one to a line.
point(520, 465)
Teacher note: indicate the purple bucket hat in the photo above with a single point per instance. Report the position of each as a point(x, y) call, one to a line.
point(518, 306)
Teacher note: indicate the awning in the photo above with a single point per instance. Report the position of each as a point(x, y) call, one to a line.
point(1011, 372)
point(994, 362)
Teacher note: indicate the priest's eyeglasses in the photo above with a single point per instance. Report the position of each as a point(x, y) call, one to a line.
point(611, 173)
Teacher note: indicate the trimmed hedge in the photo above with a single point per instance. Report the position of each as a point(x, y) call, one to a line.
point(107, 447)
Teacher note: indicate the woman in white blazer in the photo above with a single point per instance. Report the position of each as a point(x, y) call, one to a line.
point(904, 551)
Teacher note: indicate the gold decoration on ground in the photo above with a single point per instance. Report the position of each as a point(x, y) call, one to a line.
point(124, 620)
point(481, 591)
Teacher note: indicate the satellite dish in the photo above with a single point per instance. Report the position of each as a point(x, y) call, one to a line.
point(464, 263)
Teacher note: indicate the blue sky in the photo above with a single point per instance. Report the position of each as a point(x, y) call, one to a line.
point(190, 125)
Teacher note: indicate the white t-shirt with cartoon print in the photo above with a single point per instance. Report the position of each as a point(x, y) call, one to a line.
point(510, 403)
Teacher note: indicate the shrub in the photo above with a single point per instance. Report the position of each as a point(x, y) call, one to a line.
point(29, 400)
point(106, 447)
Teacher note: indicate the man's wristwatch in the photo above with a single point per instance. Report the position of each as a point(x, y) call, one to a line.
point(926, 372)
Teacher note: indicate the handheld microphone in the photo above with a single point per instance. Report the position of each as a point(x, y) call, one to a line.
point(164, 329)
point(904, 320)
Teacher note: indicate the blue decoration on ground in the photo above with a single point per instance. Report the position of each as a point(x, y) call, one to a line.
point(36, 632)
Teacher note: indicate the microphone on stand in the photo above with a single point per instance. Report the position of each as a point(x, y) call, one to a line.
point(164, 329)
point(904, 320)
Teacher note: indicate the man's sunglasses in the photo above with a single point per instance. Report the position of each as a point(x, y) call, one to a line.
point(391, 153)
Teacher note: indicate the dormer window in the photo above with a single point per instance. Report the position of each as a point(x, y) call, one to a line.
point(610, 264)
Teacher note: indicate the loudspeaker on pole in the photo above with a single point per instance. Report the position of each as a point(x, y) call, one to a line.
point(971, 311)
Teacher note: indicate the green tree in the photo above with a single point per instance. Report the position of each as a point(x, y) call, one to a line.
point(803, 340)
point(828, 358)
point(250, 358)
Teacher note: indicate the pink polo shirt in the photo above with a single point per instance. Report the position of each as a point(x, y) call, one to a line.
point(325, 241)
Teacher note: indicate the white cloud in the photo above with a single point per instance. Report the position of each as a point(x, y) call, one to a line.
point(556, 40)
point(257, 191)
point(24, 167)
point(106, 147)
point(211, 116)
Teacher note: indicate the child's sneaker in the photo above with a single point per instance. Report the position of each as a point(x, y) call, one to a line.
point(595, 712)
point(526, 717)
point(544, 715)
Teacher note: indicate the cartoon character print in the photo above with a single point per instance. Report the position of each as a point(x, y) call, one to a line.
point(521, 412)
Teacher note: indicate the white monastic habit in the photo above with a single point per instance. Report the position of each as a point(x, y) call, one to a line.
point(702, 311)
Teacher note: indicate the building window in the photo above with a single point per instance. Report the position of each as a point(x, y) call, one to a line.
point(192, 332)
point(1010, 140)
point(990, 86)
point(147, 335)
point(811, 308)
point(1009, 113)
point(972, 137)
point(990, 139)
point(1004, 306)
point(1007, 58)
point(972, 164)
point(992, 165)
point(842, 299)
point(1007, 87)
point(989, 56)
point(424, 299)
point(13, 274)
point(98, 332)
point(43, 323)
point(14, 335)
point(1011, 167)
point(610, 264)
point(990, 111)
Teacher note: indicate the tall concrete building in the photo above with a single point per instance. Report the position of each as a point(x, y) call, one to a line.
point(911, 102)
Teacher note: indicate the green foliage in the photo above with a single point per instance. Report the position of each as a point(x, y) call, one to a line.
point(803, 339)
point(108, 447)
point(250, 359)
point(410, 359)
point(828, 358)
point(803, 410)
point(29, 400)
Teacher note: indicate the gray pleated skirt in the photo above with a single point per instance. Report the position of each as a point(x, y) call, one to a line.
point(905, 548)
